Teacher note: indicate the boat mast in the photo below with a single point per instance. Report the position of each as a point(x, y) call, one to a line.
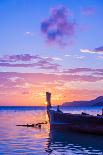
point(48, 100)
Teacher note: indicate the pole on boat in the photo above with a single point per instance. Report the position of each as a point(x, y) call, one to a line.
point(48, 100)
point(102, 111)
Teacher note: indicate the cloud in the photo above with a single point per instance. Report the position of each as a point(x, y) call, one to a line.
point(87, 51)
point(40, 64)
point(28, 33)
point(10, 80)
point(59, 28)
point(78, 70)
point(98, 50)
point(15, 85)
point(18, 57)
point(87, 11)
point(48, 63)
point(85, 72)
point(57, 59)
point(26, 60)
point(67, 55)
point(86, 78)
point(80, 57)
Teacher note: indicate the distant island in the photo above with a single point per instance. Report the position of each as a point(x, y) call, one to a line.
point(96, 102)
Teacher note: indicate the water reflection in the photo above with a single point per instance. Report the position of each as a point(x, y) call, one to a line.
point(16, 140)
point(33, 141)
point(72, 143)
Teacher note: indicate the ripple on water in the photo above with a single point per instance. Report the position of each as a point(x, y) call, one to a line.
point(16, 140)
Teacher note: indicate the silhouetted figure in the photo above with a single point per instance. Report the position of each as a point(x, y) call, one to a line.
point(58, 109)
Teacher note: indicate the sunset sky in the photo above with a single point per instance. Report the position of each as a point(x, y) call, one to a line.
point(50, 45)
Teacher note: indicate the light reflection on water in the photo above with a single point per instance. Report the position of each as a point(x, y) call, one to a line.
point(16, 140)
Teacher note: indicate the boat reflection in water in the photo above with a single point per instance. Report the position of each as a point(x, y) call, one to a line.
point(79, 136)
point(72, 143)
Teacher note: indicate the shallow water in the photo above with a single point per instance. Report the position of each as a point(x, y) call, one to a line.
point(16, 140)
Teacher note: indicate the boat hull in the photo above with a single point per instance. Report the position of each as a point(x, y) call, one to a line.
point(74, 128)
point(75, 122)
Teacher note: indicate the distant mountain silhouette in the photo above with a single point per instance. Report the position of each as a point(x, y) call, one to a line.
point(96, 102)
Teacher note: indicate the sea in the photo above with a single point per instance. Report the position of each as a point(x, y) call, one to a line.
point(21, 140)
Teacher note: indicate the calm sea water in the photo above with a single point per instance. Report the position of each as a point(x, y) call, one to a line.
point(15, 140)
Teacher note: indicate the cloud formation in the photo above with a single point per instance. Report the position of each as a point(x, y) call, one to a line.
point(59, 28)
point(75, 74)
point(85, 74)
point(40, 65)
point(98, 50)
point(73, 82)
point(27, 60)
point(18, 57)
point(78, 70)
point(87, 51)
point(86, 71)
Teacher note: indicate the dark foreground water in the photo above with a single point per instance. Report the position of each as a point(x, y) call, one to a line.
point(15, 140)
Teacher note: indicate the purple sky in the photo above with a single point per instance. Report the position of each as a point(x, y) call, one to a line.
point(52, 46)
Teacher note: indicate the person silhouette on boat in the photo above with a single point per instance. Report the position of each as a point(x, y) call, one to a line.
point(58, 109)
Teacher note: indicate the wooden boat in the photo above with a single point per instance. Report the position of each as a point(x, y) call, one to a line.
point(73, 122)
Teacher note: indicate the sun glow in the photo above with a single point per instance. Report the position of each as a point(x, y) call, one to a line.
point(46, 103)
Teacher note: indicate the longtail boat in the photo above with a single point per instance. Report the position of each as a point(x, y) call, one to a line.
point(73, 122)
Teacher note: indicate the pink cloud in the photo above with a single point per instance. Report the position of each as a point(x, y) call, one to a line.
point(88, 78)
point(22, 82)
point(59, 28)
point(85, 72)
point(9, 79)
point(98, 50)
point(78, 70)
point(39, 65)
point(19, 57)
point(14, 84)
point(26, 60)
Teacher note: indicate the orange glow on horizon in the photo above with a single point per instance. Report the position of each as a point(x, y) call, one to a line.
point(35, 96)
